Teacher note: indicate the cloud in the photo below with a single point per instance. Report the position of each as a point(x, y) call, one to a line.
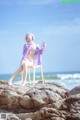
point(41, 2)
point(35, 2)
point(25, 2)
point(63, 29)
point(4, 33)
point(5, 2)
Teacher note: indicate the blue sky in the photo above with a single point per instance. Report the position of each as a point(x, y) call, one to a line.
point(50, 20)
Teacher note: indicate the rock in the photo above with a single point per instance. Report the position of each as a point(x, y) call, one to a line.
point(31, 115)
point(8, 99)
point(75, 90)
point(43, 114)
point(59, 104)
point(12, 117)
point(72, 103)
point(56, 118)
point(41, 102)
point(28, 119)
point(8, 116)
point(26, 101)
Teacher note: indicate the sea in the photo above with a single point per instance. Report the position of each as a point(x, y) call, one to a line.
point(68, 79)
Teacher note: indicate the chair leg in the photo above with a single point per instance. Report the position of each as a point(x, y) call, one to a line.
point(29, 75)
point(33, 75)
point(42, 74)
point(21, 76)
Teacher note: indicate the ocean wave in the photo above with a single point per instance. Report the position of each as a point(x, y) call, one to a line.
point(68, 76)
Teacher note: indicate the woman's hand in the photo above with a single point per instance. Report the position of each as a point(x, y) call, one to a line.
point(44, 43)
point(37, 46)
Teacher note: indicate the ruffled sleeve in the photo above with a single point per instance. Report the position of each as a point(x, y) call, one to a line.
point(43, 47)
point(25, 50)
point(38, 54)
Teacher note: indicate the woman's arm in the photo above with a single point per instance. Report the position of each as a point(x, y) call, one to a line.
point(43, 46)
point(42, 49)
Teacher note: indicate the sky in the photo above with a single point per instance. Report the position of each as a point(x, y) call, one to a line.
point(55, 21)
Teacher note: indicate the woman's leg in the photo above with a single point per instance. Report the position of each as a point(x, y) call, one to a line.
point(25, 70)
point(24, 73)
point(15, 74)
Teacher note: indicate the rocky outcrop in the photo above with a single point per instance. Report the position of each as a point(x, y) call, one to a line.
point(50, 101)
point(72, 103)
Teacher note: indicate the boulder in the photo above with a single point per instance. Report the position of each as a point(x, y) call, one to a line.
point(39, 102)
point(72, 103)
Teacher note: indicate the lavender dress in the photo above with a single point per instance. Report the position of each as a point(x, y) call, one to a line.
point(37, 60)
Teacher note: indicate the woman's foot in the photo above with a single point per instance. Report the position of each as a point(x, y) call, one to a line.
point(10, 83)
point(22, 83)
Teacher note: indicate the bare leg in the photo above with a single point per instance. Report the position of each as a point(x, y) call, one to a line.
point(25, 70)
point(25, 73)
point(15, 74)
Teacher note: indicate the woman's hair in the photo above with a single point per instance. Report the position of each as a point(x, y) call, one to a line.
point(30, 35)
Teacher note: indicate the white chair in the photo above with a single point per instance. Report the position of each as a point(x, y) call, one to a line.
point(34, 67)
point(37, 64)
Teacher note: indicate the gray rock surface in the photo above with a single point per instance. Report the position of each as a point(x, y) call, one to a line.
point(50, 101)
point(72, 103)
